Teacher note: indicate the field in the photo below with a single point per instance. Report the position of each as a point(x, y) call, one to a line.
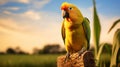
point(48, 60)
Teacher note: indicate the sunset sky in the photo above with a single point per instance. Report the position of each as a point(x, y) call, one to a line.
point(34, 23)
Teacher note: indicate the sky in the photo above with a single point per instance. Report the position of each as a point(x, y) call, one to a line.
point(35, 23)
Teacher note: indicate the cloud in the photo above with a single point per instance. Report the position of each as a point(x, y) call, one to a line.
point(40, 4)
point(20, 1)
point(31, 6)
point(7, 12)
point(12, 8)
point(3, 1)
point(11, 25)
point(24, 1)
point(31, 3)
point(30, 28)
point(31, 15)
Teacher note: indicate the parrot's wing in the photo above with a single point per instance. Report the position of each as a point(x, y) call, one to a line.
point(63, 32)
point(86, 26)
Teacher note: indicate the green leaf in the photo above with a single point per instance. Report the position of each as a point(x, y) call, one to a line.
point(96, 28)
point(103, 48)
point(115, 48)
point(116, 44)
point(99, 54)
point(114, 24)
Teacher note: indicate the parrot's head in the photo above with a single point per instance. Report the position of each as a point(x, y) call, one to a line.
point(70, 11)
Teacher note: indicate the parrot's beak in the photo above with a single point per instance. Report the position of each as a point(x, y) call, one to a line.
point(65, 14)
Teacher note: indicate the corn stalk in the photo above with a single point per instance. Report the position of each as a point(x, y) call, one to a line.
point(96, 28)
point(96, 36)
point(96, 33)
point(115, 46)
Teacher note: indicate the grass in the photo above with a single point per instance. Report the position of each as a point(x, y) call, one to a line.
point(48, 60)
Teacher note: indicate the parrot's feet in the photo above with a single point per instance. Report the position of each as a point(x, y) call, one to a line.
point(81, 51)
point(67, 57)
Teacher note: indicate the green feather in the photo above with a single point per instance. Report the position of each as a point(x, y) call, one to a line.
point(63, 32)
point(86, 26)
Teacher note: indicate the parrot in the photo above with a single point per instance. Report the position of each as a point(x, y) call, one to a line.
point(75, 30)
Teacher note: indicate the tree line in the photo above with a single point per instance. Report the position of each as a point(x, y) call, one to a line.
point(47, 49)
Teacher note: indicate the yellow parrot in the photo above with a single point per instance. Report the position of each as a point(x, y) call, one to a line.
point(75, 30)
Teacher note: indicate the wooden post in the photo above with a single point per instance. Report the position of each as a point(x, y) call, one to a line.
point(85, 60)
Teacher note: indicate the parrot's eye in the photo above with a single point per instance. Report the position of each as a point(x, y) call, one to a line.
point(70, 8)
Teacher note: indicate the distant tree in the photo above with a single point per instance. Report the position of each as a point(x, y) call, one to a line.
point(1, 53)
point(19, 51)
point(37, 51)
point(40, 51)
point(22, 52)
point(10, 51)
point(51, 48)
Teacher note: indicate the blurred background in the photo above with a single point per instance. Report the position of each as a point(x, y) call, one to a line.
point(34, 26)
